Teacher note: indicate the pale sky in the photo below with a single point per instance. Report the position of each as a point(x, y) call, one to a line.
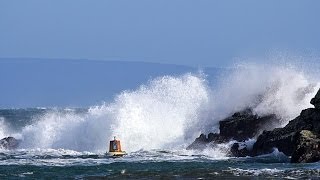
point(185, 32)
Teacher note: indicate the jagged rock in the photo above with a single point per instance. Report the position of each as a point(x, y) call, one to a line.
point(316, 100)
point(9, 143)
point(277, 138)
point(284, 138)
point(245, 124)
point(240, 126)
point(300, 138)
point(307, 147)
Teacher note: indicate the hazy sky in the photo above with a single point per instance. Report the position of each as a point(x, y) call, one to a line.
point(188, 32)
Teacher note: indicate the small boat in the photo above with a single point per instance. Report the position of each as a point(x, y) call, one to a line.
point(115, 149)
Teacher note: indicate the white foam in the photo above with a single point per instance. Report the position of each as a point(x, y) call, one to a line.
point(160, 114)
point(255, 172)
point(81, 132)
point(156, 115)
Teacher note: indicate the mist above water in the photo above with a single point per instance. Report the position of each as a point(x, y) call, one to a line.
point(168, 112)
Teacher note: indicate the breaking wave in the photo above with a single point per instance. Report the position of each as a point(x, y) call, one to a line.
point(169, 112)
point(153, 116)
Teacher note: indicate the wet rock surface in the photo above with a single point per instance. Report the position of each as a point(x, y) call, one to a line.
point(307, 147)
point(245, 125)
point(240, 126)
point(316, 100)
point(299, 138)
point(285, 138)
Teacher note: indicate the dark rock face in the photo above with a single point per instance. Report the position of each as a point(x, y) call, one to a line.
point(9, 143)
point(244, 125)
point(269, 140)
point(300, 138)
point(316, 100)
point(240, 126)
point(307, 147)
point(284, 138)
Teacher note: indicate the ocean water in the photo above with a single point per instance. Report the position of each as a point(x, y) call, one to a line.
point(147, 164)
point(155, 123)
point(155, 164)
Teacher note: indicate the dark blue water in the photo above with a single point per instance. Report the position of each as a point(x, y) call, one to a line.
point(61, 163)
point(133, 166)
point(154, 164)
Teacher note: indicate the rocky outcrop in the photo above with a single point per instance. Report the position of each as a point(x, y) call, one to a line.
point(284, 138)
point(240, 126)
point(299, 138)
point(307, 147)
point(245, 124)
point(277, 138)
point(9, 143)
point(316, 100)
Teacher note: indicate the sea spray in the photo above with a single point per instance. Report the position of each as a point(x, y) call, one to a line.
point(156, 115)
point(81, 132)
point(289, 92)
point(283, 91)
point(3, 128)
point(159, 114)
point(169, 112)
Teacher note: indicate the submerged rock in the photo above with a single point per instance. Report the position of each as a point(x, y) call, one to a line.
point(9, 143)
point(307, 147)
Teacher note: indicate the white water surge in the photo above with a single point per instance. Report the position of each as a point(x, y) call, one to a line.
point(153, 116)
point(171, 111)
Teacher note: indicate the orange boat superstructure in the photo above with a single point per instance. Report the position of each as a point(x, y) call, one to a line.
point(115, 148)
